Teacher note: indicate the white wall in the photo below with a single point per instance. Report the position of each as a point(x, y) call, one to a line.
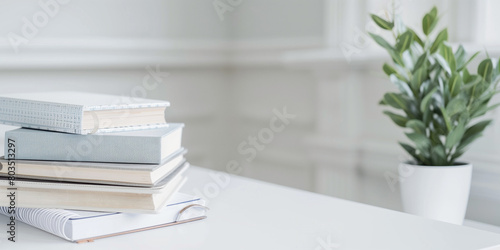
point(106, 46)
point(277, 19)
point(227, 76)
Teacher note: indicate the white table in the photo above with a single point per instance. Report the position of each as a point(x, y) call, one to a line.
point(249, 214)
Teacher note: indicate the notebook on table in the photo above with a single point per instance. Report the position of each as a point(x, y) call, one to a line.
point(87, 226)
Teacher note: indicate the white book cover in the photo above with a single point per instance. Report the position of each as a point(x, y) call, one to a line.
point(81, 112)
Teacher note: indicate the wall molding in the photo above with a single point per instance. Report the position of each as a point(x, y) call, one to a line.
point(125, 53)
point(128, 53)
point(371, 57)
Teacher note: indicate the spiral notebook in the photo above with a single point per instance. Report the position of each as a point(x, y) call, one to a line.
point(85, 226)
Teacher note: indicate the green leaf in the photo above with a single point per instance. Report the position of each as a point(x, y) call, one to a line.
point(425, 87)
point(403, 73)
point(463, 144)
point(411, 150)
point(417, 126)
point(486, 97)
point(396, 57)
point(460, 56)
point(424, 105)
point(434, 66)
point(402, 86)
point(420, 62)
point(485, 69)
point(479, 110)
point(455, 135)
point(447, 54)
point(457, 154)
point(441, 37)
point(407, 60)
point(428, 23)
point(433, 12)
point(455, 84)
point(438, 156)
point(446, 118)
point(476, 129)
point(456, 106)
point(473, 81)
point(434, 137)
point(418, 78)
point(468, 61)
point(479, 89)
point(495, 76)
point(396, 101)
point(443, 63)
point(416, 37)
point(382, 23)
point(427, 116)
point(381, 41)
point(388, 69)
point(439, 125)
point(465, 75)
point(472, 133)
point(382, 102)
point(404, 41)
point(398, 119)
point(421, 141)
point(498, 67)
point(493, 107)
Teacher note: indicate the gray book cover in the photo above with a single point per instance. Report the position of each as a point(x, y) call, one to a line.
point(150, 146)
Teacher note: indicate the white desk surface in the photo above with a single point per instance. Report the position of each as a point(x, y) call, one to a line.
point(249, 214)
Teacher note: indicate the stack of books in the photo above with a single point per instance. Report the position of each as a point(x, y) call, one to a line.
point(79, 153)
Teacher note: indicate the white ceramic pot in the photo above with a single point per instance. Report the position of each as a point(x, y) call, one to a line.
point(436, 192)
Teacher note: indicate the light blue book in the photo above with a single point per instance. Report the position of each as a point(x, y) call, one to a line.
point(150, 146)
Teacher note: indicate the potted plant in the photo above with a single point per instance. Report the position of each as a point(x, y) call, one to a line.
point(440, 105)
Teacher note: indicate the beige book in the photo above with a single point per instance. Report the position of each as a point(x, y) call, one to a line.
point(91, 197)
point(95, 172)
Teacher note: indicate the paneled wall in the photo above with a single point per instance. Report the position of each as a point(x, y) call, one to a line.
point(230, 74)
point(111, 46)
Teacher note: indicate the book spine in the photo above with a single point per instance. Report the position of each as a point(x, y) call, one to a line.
point(41, 115)
point(52, 146)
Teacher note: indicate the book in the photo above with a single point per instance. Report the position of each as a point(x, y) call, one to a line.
point(92, 197)
point(150, 146)
point(85, 226)
point(129, 174)
point(81, 112)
